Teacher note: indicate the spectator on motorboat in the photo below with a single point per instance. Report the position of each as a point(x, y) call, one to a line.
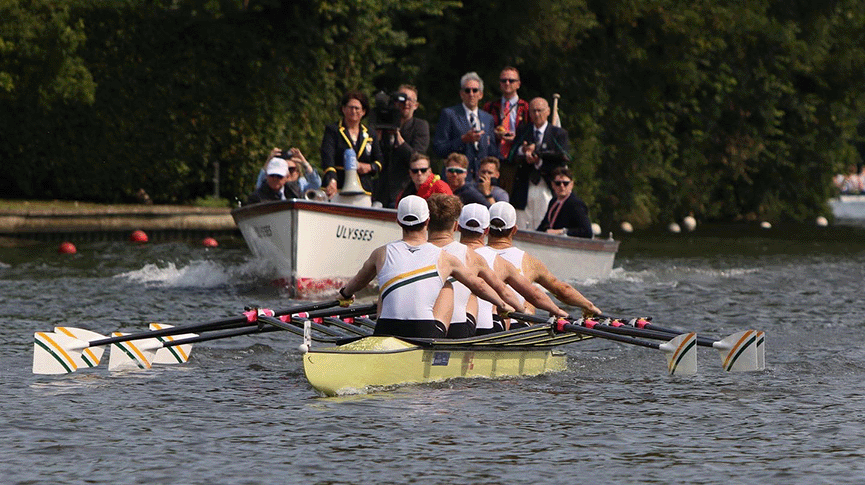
point(488, 178)
point(456, 169)
point(423, 182)
point(474, 224)
point(566, 214)
point(350, 133)
point(300, 171)
point(398, 146)
point(444, 211)
point(850, 182)
point(503, 226)
point(411, 275)
point(273, 188)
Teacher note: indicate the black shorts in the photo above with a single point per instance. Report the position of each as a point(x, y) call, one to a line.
point(497, 327)
point(462, 329)
point(410, 328)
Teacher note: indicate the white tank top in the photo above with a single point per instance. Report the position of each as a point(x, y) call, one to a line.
point(461, 291)
point(514, 256)
point(485, 308)
point(409, 281)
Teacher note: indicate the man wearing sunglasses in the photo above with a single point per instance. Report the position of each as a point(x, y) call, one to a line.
point(272, 189)
point(510, 114)
point(301, 176)
point(465, 128)
point(423, 182)
point(566, 214)
point(455, 173)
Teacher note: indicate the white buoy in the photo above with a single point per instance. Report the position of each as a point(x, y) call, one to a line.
point(627, 227)
point(822, 222)
point(674, 228)
point(596, 229)
point(766, 225)
point(303, 348)
point(690, 223)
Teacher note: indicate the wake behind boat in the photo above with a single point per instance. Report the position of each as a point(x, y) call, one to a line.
point(317, 246)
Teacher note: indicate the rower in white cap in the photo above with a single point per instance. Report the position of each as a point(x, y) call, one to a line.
point(503, 226)
point(474, 223)
point(411, 275)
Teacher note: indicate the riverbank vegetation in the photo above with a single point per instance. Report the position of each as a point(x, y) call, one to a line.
point(726, 110)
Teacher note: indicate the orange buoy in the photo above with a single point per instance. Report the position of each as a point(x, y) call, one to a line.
point(138, 236)
point(210, 242)
point(67, 247)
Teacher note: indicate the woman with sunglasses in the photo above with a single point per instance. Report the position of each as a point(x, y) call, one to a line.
point(423, 182)
point(566, 214)
point(350, 133)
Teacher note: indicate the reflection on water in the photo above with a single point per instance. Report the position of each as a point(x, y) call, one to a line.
point(241, 412)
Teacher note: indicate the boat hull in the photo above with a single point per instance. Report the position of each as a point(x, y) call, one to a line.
point(849, 207)
point(316, 247)
point(382, 362)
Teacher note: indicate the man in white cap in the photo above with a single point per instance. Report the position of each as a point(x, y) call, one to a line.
point(503, 226)
point(411, 276)
point(474, 223)
point(272, 189)
point(444, 211)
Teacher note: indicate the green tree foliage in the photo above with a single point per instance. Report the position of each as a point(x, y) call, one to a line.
point(723, 109)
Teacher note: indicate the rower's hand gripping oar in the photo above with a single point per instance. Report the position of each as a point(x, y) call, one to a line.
point(68, 349)
point(681, 351)
point(743, 351)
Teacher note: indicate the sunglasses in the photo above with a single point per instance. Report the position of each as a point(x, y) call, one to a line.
point(456, 170)
point(419, 170)
point(562, 183)
point(509, 81)
point(276, 176)
point(470, 90)
point(292, 169)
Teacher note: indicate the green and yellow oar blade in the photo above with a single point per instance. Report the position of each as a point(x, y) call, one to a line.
point(132, 354)
point(175, 354)
point(64, 350)
point(743, 351)
point(681, 354)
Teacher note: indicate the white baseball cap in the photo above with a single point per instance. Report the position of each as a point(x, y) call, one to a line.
point(505, 213)
point(277, 166)
point(477, 213)
point(412, 210)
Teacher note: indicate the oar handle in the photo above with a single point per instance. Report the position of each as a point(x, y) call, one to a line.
point(561, 325)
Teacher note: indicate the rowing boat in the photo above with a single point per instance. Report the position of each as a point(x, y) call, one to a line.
point(849, 207)
point(308, 243)
point(376, 362)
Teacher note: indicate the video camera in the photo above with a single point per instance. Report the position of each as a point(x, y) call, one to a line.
point(386, 114)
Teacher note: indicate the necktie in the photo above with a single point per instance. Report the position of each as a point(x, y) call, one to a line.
point(474, 122)
point(537, 139)
point(506, 124)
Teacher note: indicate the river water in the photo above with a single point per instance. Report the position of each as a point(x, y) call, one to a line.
point(241, 412)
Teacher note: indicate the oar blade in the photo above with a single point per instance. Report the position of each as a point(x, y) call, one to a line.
point(133, 354)
point(681, 354)
point(64, 351)
point(742, 351)
point(175, 354)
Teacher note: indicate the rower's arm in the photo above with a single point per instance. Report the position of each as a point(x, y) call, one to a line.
point(364, 276)
point(530, 292)
point(451, 266)
point(496, 283)
point(563, 291)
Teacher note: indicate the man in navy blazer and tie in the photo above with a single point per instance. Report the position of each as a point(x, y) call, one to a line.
point(538, 149)
point(465, 128)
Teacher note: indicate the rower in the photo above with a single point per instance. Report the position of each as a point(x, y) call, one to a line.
point(474, 223)
point(503, 221)
point(444, 212)
point(411, 275)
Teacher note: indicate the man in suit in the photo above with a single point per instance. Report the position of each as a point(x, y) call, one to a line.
point(510, 114)
point(465, 128)
point(538, 149)
point(398, 147)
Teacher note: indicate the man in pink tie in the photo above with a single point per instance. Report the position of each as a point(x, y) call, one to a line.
point(509, 114)
point(567, 214)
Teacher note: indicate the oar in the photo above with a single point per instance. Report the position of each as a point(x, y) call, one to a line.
point(68, 348)
point(681, 351)
point(743, 351)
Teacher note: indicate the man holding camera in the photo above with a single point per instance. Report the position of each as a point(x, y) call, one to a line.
point(539, 148)
point(300, 178)
point(399, 145)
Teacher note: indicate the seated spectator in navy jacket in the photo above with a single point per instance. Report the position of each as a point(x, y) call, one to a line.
point(456, 171)
point(566, 213)
point(273, 188)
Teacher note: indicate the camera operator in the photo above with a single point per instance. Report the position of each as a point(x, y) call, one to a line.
point(402, 135)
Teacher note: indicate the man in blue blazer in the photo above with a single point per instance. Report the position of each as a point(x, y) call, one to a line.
point(465, 128)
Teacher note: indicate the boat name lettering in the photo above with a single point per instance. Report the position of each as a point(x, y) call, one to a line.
point(344, 232)
point(263, 231)
point(441, 358)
